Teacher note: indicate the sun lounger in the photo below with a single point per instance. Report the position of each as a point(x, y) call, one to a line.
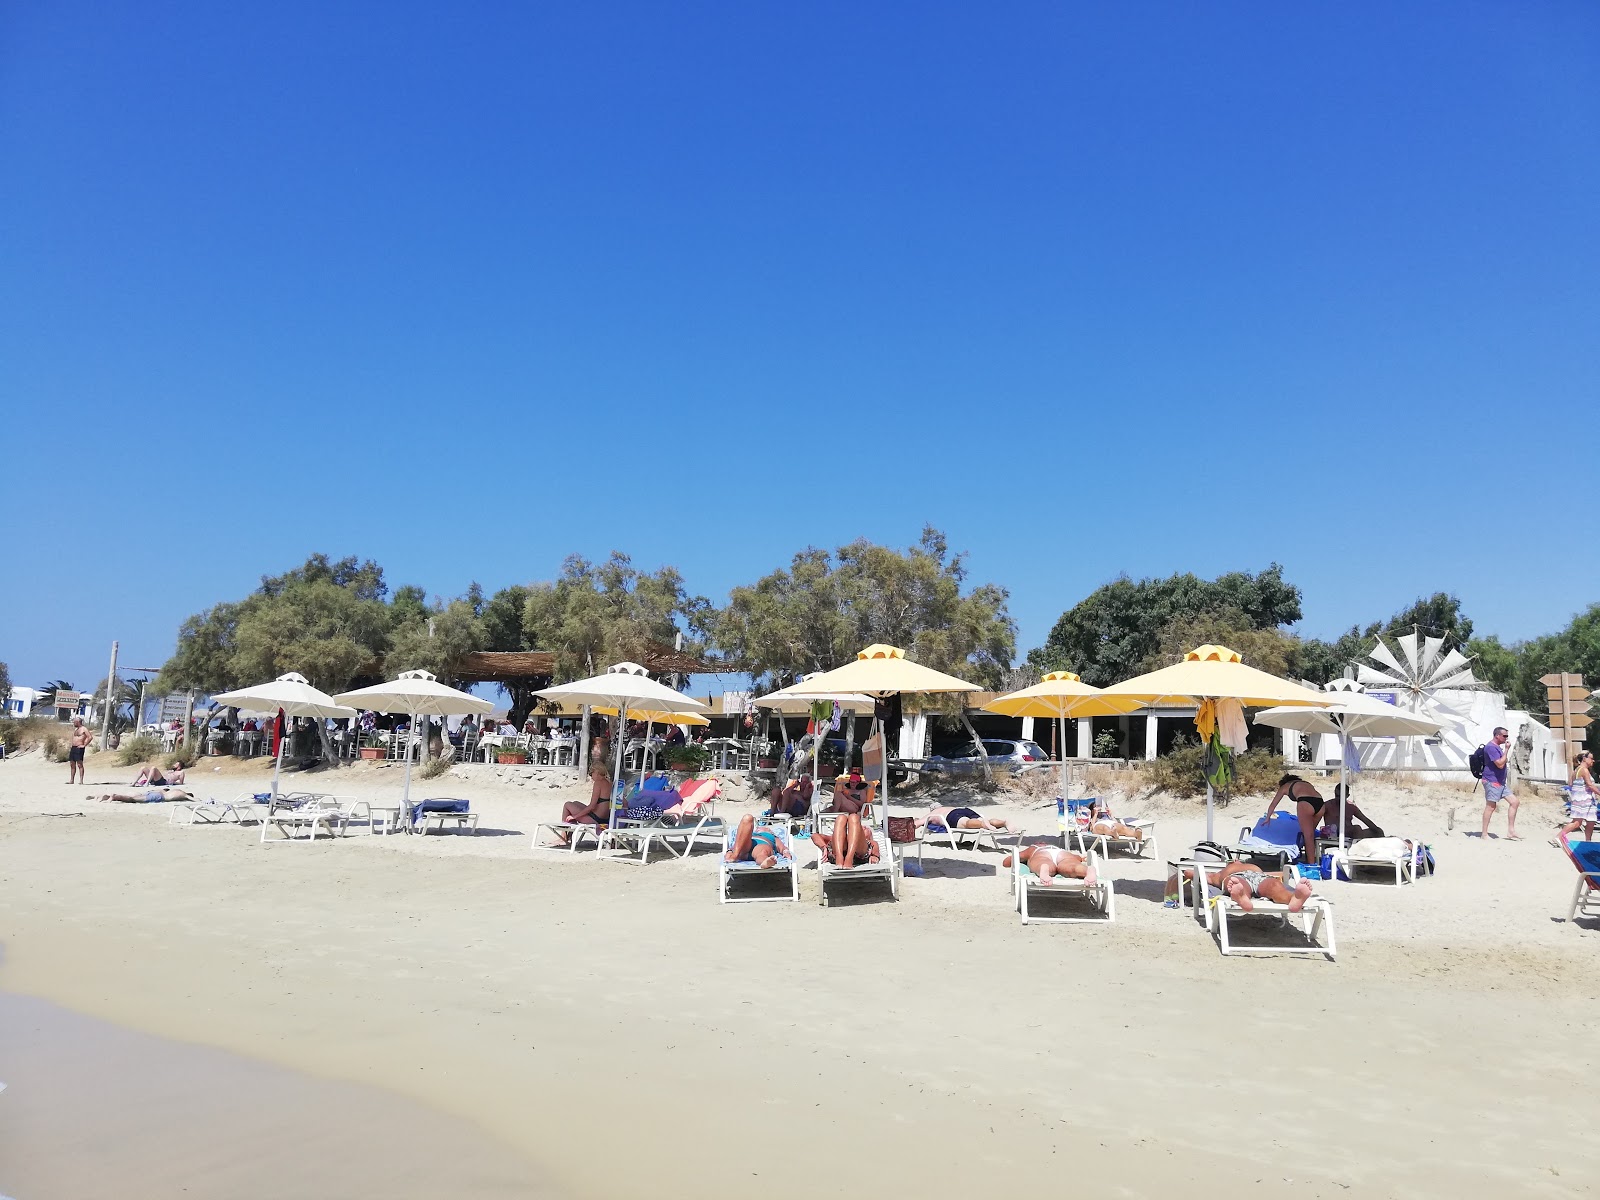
point(1102, 842)
point(1220, 908)
point(444, 810)
point(1026, 888)
point(1585, 857)
point(631, 836)
point(1278, 837)
point(240, 809)
point(327, 813)
point(1391, 853)
point(885, 870)
point(786, 866)
point(960, 839)
point(573, 831)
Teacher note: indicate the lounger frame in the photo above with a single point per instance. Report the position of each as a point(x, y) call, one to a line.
point(1102, 842)
point(885, 870)
point(1102, 896)
point(727, 872)
point(639, 836)
point(1314, 917)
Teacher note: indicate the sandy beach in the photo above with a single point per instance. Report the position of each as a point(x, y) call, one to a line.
point(615, 1032)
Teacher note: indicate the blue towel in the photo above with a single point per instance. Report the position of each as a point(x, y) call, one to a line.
point(441, 805)
point(1587, 854)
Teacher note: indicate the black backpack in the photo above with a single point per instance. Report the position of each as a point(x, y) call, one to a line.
point(1476, 761)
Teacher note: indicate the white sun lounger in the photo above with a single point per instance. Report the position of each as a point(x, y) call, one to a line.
point(885, 870)
point(240, 809)
point(1102, 842)
point(327, 813)
point(786, 865)
point(963, 839)
point(574, 831)
point(1392, 853)
point(641, 835)
point(1027, 887)
point(1220, 908)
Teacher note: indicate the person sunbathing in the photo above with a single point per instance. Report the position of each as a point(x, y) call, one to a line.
point(154, 796)
point(791, 800)
point(851, 794)
point(152, 775)
point(849, 844)
point(1344, 811)
point(967, 818)
point(1047, 862)
point(1244, 883)
point(764, 847)
point(1101, 821)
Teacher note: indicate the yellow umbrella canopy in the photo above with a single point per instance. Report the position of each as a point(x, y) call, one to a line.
point(657, 716)
point(1215, 673)
point(880, 670)
point(1061, 695)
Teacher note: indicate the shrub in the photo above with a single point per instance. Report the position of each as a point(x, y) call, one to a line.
point(138, 749)
point(1107, 745)
point(688, 758)
point(11, 736)
point(435, 767)
point(1181, 772)
point(55, 748)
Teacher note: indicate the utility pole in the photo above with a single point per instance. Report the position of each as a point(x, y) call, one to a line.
point(111, 700)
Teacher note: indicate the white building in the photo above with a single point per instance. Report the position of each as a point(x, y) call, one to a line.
point(21, 701)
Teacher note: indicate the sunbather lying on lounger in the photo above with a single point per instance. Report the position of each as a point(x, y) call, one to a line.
point(1048, 861)
point(153, 796)
point(1101, 821)
point(1244, 882)
point(849, 844)
point(966, 818)
point(763, 847)
point(1342, 810)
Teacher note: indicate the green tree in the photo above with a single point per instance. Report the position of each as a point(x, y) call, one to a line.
point(1269, 650)
point(5, 686)
point(438, 643)
point(817, 614)
point(1496, 664)
point(1117, 628)
point(596, 615)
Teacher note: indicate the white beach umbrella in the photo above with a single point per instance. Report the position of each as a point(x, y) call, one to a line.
point(294, 695)
point(1350, 714)
point(418, 694)
point(628, 688)
point(787, 700)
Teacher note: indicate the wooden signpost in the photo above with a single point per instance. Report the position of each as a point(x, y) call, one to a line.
point(1569, 711)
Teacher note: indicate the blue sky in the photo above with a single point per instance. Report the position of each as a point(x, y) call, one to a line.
point(1094, 288)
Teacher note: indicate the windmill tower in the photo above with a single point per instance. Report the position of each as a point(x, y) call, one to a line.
point(1426, 679)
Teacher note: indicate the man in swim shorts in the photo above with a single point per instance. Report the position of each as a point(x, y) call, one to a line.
point(1047, 862)
point(81, 737)
point(153, 796)
point(764, 846)
point(1497, 785)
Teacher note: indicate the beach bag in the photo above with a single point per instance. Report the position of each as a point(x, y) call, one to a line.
point(902, 829)
point(1476, 761)
point(1425, 863)
point(1210, 852)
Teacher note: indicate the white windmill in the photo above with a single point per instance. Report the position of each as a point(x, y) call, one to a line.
point(1424, 678)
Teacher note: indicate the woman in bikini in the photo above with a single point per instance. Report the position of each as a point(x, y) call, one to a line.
point(1048, 861)
point(764, 846)
point(849, 844)
point(1308, 804)
point(1101, 821)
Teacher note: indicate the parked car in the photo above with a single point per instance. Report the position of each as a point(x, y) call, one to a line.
point(965, 760)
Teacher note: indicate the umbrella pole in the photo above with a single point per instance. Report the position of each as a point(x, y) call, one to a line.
point(411, 741)
point(644, 751)
point(622, 724)
point(1210, 801)
point(1061, 746)
point(883, 736)
point(1344, 795)
point(277, 770)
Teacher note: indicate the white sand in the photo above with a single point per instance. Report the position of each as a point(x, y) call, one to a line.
point(634, 1038)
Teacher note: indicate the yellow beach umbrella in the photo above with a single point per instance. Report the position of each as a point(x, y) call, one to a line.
point(1206, 675)
point(1061, 695)
point(880, 671)
point(659, 718)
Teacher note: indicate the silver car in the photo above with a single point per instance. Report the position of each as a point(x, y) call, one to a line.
point(1015, 755)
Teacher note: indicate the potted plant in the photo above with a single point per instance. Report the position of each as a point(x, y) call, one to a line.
point(510, 755)
point(372, 753)
point(688, 758)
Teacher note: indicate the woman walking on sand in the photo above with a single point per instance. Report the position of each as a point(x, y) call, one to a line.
point(1581, 800)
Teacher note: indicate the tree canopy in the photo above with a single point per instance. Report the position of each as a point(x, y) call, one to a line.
point(1128, 625)
point(817, 614)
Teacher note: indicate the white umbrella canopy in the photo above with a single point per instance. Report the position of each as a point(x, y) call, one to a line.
point(1350, 714)
point(627, 688)
point(418, 694)
point(294, 695)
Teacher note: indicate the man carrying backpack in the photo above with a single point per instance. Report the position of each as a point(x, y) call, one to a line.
point(1496, 786)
